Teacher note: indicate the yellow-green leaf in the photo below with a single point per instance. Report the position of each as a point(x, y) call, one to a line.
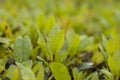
point(13, 73)
point(27, 63)
point(59, 71)
point(49, 24)
point(73, 41)
point(39, 71)
point(56, 42)
point(112, 46)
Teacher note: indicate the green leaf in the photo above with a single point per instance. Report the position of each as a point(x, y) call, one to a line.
point(40, 20)
point(2, 64)
point(61, 57)
point(114, 63)
point(42, 60)
point(27, 63)
point(4, 41)
point(78, 75)
point(22, 48)
point(32, 33)
point(92, 76)
point(59, 71)
point(97, 58)
point(73, 41)
point(75, 74)
point(55, 29)
point(105, 55)
point(112, 46)
point(13, 73)
point(39, 34)
point(108, 75)
point(2, 51)
point(39, 71)
point(49, 24)
point(41, 42)
point(83, 44)
point(56, 42)
point(26, 73)
point(104, 39)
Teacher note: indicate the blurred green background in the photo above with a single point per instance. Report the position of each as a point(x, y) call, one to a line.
point(90, 17)
point(96, 22)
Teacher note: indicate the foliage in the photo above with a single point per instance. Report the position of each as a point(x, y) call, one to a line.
point(59, 40)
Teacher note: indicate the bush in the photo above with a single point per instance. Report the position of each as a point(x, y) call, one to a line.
point(59, 40)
